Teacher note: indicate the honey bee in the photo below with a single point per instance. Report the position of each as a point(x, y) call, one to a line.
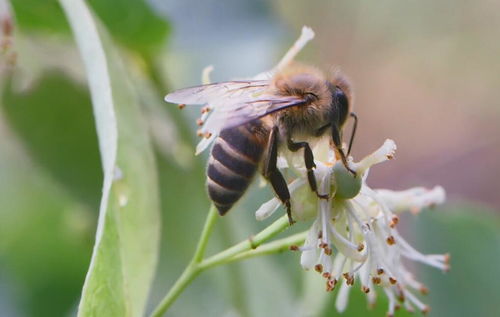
point(257, 119)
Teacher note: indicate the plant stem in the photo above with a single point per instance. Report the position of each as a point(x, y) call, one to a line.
point(192, 270)
point(242, 250)
point(271, 247)
point(207, 230)
point(249, 244)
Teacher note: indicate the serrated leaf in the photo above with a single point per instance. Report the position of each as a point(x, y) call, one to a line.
point(125, 253)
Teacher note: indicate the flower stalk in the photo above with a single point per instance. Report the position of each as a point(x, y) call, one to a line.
point(252, 247)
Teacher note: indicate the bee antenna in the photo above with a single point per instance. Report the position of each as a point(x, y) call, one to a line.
point(353, 133)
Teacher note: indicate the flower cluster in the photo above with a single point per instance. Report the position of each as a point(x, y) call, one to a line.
point(354, 237)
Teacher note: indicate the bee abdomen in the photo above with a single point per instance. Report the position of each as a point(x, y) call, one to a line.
point(234, 160)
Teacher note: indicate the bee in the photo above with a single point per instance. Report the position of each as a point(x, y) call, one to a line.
point(254, 120)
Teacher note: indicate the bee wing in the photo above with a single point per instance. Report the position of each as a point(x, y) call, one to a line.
point(234, 103)
point(212, 93)
point(228, 114)
point(258, 108)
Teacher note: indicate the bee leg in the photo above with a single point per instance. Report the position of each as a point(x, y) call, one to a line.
point(272, 173)
point(353, 133)
point(338, 146)
point(309, 161)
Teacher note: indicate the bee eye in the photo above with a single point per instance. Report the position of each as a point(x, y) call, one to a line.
point(340, 99)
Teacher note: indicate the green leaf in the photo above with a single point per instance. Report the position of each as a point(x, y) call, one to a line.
point(44, 237)
point(471, 234)
point(36, 15)
point(131, 22)
point(126, 249)
point(38, 115)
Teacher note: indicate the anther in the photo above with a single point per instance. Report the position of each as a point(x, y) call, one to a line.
point(390, 240)
point(327, 275)
point(380, 271)
point(365, 289)
point(394, 221)
point(207, 135)
point(199, 133)
point(294, 248)
point(349, 279)
point(361, 247)
point(424, 290)
point(328, 251)
point(318, 268)
point(376, 280)
point(199, 122)
point(330, 285)
point(181, 106)
point(426, 310)
point(392, 280)
point(205, 110)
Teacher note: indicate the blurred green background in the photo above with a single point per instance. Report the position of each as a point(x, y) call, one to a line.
point(425, 74)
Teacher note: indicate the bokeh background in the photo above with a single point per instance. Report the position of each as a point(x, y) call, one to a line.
point(425, 73)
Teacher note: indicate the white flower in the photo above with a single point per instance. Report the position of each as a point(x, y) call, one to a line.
point(354, 236)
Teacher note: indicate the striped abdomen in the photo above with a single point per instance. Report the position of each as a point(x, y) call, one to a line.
point(234, 159)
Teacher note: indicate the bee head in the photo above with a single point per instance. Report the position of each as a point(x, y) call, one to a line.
point(341, 97)
point(341, 104)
